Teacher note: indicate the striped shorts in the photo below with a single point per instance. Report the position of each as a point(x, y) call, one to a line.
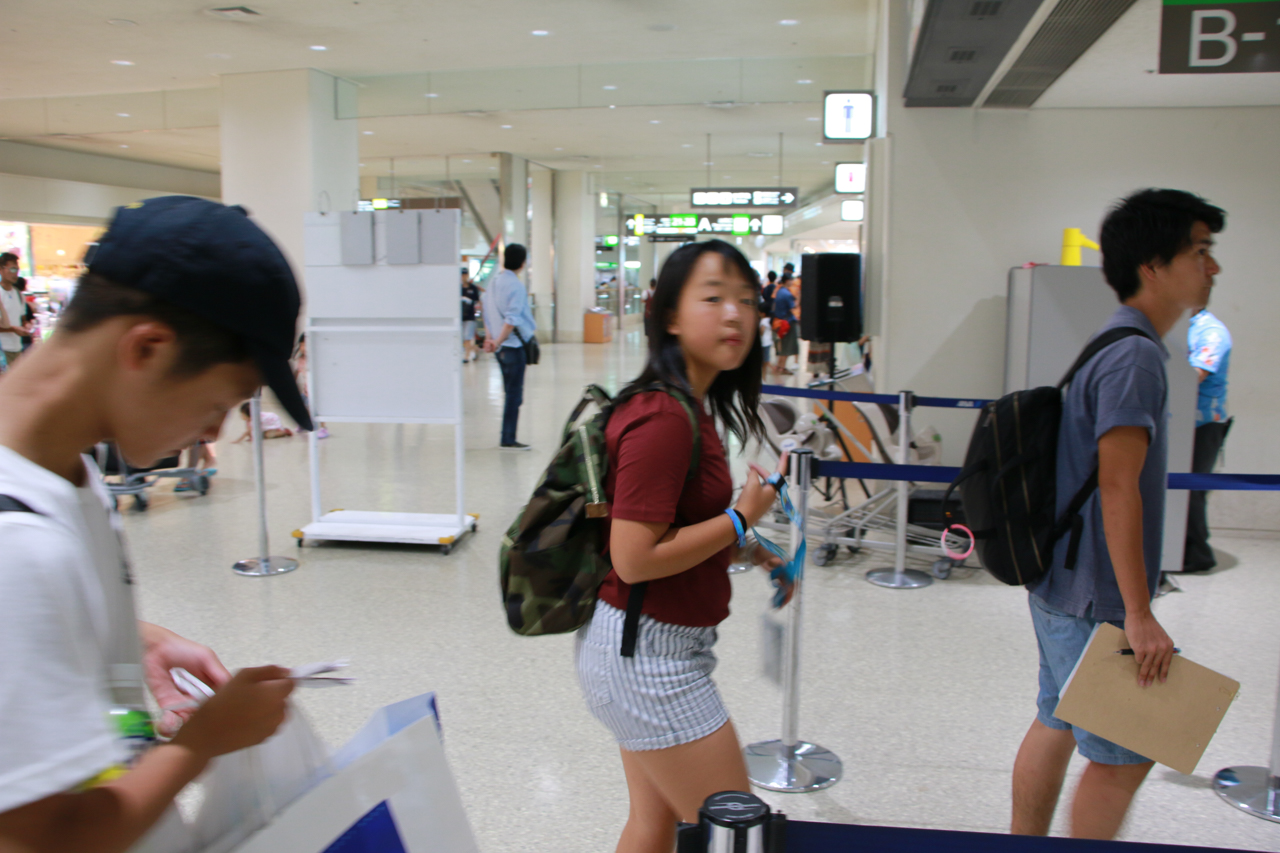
point(662, 697)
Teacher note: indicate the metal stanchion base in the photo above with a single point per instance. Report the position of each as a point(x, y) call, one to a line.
point(275, 566)
point(910, 578)
point(774, 766)
point(1249, 789)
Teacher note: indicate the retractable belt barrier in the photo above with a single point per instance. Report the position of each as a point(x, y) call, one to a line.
point(886, 399)
point(946, 474)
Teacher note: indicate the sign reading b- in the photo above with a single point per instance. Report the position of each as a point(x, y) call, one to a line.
point(1229, 37)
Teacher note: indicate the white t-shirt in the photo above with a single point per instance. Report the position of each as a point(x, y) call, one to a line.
point(14, 310)
point(766, 333)
point(270, 420)
point(69, 645)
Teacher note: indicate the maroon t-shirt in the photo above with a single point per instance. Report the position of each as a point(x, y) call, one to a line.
point(650, 446)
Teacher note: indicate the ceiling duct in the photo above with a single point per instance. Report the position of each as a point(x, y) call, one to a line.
point(961, 44)
point(1069, 30)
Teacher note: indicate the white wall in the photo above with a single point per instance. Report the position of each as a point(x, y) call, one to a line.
point(972, 193)
point(38, 161)
point(27, 199)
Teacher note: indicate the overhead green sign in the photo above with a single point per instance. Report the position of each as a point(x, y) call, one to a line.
point(1228, 37)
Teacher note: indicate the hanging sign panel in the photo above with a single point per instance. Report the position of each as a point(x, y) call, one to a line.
point(848, 116)
point(1231, 37)
point(684, 227)
point(744, 196)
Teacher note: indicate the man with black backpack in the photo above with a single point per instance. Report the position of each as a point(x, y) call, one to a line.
point(1156, 250)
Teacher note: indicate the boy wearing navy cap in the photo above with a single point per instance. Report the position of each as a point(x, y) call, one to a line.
point(151, 353)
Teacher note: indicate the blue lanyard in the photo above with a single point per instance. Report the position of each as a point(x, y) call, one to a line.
point(784, 577)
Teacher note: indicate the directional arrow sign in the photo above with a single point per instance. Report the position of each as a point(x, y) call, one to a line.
point(749, 197)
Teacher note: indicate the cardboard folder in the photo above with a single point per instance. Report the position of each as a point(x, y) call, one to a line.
point(1171, 723)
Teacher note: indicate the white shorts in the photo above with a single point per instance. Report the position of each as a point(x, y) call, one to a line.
point(662, 697)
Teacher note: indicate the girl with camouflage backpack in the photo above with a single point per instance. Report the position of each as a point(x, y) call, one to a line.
point(671, 539)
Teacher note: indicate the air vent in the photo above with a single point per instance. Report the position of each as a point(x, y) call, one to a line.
point(985, 8)
point(946, 89)
point(1071, 28)
point(234, 13)
point(959, 54)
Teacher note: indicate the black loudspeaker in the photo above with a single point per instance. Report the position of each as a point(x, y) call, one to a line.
point(831, 297)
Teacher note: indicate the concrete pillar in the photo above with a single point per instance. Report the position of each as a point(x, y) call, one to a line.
point(542, 253)
point(284, 151)
point(575, 252)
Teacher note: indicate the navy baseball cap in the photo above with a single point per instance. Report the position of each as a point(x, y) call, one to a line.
point(215, 262)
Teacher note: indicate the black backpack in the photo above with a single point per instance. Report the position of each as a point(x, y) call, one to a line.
point(1008, 485)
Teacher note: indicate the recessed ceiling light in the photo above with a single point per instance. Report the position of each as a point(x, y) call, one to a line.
point(819, 144)
point(122, 22)
point(121, 62)
point(804, 82)
point(814, 118)
point(613, 106)
point(687, 145)
point(826, 162)
point(559, 149)
point(541, 33)
point(609, 88)
point(318, 47)
point(124, 146)
point(788, 22)
point(466, 161)
point(506, 127)
point(122, 115)
point(367, 132)
point(655, 121)
point(431, 95)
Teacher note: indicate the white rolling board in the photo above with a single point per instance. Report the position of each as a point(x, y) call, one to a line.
point(1053, 311)
point(384, 346)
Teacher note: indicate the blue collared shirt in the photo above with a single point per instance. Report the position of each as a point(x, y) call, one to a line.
point(1124, 385)
point(505, 301)
point(1209, 348)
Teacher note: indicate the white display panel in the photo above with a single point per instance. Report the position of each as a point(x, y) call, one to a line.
point(384, 291)
point(385, 374)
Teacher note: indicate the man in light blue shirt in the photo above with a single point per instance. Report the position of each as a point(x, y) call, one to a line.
point(1209, 351)
point(508, 322)
point(1157, 257)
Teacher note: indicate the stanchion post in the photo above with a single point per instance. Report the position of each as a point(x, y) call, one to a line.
point(900, 577)
point(264, 564)
point(1255, 790)
point(791, 764)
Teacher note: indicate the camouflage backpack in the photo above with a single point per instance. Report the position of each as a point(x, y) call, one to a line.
point(552, 560)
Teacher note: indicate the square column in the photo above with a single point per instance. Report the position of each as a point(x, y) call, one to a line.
point(285, 152)
point(542, 255)
point(575, 250)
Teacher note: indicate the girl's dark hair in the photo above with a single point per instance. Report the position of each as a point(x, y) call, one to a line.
point(246, 409)
point(735, 394)
point(1150, 226)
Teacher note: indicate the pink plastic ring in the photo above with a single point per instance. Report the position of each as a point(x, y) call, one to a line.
point(955, 555)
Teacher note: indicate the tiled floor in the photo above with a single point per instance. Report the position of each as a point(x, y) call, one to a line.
point(924, 694)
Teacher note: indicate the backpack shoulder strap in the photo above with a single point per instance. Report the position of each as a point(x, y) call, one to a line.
point(1098, 344)
point(8, 503)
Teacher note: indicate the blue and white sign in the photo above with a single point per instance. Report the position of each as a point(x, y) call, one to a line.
point(851, 177)
point(848, 116)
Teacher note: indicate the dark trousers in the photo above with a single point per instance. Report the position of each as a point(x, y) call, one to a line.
point(1198, 556)
point(512, 361)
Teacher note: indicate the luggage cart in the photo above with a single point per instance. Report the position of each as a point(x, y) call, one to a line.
point(134, 482)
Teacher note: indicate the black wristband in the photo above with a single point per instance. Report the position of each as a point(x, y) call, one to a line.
point(742, 518)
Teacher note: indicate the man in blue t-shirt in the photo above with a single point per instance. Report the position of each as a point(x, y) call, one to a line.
point(1156, 255)
point(1209, 351)
point(785, 333)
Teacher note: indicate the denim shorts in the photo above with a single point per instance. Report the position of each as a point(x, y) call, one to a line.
point(1062, 639)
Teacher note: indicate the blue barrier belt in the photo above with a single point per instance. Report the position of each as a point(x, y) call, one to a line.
point(944, 474)
point(886, 399)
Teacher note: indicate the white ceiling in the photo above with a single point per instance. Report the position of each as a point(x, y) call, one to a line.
point(59, 48)
point(1120, 70)
point(66, 47)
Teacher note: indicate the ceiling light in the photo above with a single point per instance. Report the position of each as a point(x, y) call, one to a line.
point(122, 22)
point(541, 33)
point(819, 144)
point(559, 149)
point(613, 106)
point(122, 115)
point(124, 146)
point(121, 62)
point(370, 133)
point(609, 88)
point(318, 47)
point(804, 82)
point(687, 145)
point(814, 118)
point(788, 22)
point(434, 95)
point(506, 127)
point(655, 121)
point(466, 161)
